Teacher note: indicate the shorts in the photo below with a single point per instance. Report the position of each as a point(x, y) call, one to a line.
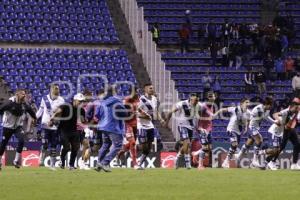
point(276, 141)
point(234, 137)
point(253, 132)
point(50, 136)
point(205, 138)
point(146, 135)
point(185, 133)
point(131, 131)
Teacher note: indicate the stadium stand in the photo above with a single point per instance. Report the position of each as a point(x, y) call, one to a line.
point(56, 21)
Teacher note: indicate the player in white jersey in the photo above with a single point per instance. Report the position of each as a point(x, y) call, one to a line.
point(276, 132)
point(258, 114)
point(147, 112)
point(47, 107)
point(238, 124)
point(187, 112)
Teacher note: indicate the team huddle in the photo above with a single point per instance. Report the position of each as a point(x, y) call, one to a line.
point(110, 127)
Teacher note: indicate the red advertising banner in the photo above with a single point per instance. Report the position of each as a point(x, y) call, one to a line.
point(167, 159)
point(30, 158)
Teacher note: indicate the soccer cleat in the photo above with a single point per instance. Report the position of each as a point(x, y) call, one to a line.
point(52, 168)
point(295, 167)
point(137, 167)
point(0, 166)
point(255, 164)
point(71, 168)
point(99, 167)
point(60, 164)
point(85, 167)
point(225, 164)
point(272, 166)
point(106, 168)
point(17, 164)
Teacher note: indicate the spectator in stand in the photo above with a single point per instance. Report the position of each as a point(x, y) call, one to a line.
point(188, 20)
point(284, 44)
point(238, 55)
point(184, 34)
point(254, 37)
point(276, 47)
point(155, 33)
point(217, 86)
point(268, 64)
point(226, 32)
point(225, 55)
point(289, 67)
point(207, 82)
point(279, 66)
point(296, 85)
point(201, 35)
point(260, 80)
point(243, 31)
point(234, 30)
point(211, 31)
point(213, 52)
point(248, 78)
point(230, 58)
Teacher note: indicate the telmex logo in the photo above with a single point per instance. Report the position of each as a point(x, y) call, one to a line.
point(167, 160)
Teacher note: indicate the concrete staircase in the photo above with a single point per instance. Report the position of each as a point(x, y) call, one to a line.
point(135, 59)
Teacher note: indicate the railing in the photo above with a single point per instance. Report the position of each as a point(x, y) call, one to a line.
point(160, 77)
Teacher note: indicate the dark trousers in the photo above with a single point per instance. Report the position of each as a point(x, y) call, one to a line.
point(70, 142)
point(297, 93)
point(184, 45)
point(7, 133)
point(293, 137)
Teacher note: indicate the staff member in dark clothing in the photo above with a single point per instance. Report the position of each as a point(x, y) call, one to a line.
point(69, 115)
point(14, 112)
point(291, 118)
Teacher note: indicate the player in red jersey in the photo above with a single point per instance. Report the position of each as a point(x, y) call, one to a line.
point(205, 128)
point(130, 103)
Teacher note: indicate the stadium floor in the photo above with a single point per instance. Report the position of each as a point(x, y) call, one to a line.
point(158, 184)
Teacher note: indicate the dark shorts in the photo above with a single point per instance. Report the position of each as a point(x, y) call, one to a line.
point(50, 137)
point(146, 135)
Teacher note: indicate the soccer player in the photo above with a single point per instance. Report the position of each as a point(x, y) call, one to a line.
point(204, 128)
point(276, 132)
point(147, 112)
point(110, 114)
point(290, 116)
point(238, 124)
point(49, 134)
point(86, 134)
point(186, 124)
point(258, 114)
point(68, 115)
point(14, 111)
point(131, 103)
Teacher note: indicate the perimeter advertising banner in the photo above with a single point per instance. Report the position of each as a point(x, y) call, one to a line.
point(30, 158)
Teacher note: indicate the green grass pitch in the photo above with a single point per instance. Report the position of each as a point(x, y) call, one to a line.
point(156, 184)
